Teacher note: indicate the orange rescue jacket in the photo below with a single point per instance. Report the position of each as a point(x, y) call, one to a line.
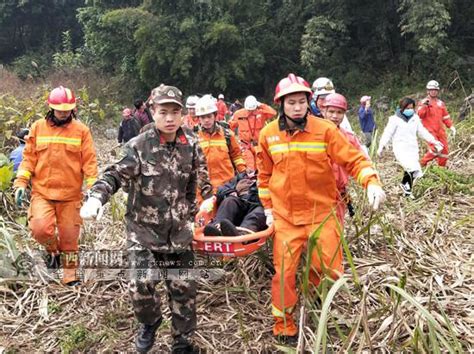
point(434, 116)
point(295, 176)
point(221, 110)
point(250, 123)
point(221, 157)
point(58, 160)
point(190, 122)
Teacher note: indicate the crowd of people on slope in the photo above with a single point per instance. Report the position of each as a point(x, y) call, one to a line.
point(286, 168)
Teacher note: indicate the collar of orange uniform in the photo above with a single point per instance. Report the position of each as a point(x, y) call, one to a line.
point(180, 137)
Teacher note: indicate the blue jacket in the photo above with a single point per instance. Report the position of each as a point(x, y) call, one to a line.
point(366, 120)
point(16, 156)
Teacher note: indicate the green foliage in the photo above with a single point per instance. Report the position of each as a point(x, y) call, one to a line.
point(76, 338)
point(426, 22)
point(321, 40)
point(16, 113)
point(67, 58)
point(441, 180)
point(6, 173)
point(31, 65)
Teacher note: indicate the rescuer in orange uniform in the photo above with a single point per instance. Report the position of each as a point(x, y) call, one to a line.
point(222, 109)
point(434, 116)
point(249, 121)
point(218, 143)
point(190, 120)
point(298, 190)
point(59, 156)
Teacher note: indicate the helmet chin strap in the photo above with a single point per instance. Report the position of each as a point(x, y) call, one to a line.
point(298, 120)
point(59, 122)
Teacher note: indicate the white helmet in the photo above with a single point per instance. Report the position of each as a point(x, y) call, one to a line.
point(221, 96)
point(323, 86)
point(250, 103)
point(206, 105)
point(432, 85)
point(191, 101)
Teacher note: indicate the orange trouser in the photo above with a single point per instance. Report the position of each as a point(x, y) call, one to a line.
point(249, 155)
point(442, 156)
point(44, 217)
point(288, 243)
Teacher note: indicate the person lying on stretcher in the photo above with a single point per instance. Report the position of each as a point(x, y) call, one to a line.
point(237, 205)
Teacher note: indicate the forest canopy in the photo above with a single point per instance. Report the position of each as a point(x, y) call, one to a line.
point(242, 47)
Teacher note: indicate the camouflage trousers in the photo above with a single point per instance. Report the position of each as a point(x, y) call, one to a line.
point(181, 293)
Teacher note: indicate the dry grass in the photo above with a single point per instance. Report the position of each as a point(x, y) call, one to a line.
point(424, 246)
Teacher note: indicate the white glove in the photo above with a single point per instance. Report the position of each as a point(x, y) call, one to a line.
point(269, 216)
point(453, 130)
point(92, 209)
point(438, 146)
point(208, 204)
point(376, 195)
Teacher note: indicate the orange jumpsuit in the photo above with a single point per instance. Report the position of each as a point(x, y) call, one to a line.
point(190, 122)
point(221, 110)
point(220, 157)
point(249, 124)
point(296, 181)
point(57, 160)
point(434, 117)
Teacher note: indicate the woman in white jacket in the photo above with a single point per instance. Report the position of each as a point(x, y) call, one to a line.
point(402, 128)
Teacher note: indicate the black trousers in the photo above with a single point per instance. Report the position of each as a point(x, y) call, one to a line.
point(241, 213)
point(408, 178)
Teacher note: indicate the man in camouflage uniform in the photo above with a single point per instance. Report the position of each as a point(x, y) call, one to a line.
point(160, 168)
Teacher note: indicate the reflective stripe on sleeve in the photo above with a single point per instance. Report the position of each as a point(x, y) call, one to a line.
point(24, 173)
point(367, 171)
point(263, 193)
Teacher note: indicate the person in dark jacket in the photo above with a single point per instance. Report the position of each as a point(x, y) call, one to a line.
point(129, 126)
point(366, 119)
point(237, 205)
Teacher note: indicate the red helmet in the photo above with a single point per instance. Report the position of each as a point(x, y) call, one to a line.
point(62, 99)
point(336, 100)
point(291, 84)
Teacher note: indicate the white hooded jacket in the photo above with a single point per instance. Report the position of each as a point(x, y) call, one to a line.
point(403, 134)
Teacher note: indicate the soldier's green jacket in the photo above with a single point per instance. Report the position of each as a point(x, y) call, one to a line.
point(161, 179)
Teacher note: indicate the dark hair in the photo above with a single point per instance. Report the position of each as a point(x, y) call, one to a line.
point(21, 134)
point(138, 103)
point(405, 102)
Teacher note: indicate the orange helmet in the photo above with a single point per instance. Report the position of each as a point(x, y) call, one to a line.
point(62, 99)
point(291, 84)
point(336, 100)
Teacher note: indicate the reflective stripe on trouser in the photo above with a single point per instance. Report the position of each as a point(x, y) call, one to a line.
point(288, 243)
point(249, 155)
point(44, 216)
point(181, 293)
point(442, 156)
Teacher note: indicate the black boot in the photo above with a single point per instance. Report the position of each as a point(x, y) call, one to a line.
point(229, 229)
point(183, 346)
point(146, 336)
point(212, 230)
point(291, 341)
point(53, 261)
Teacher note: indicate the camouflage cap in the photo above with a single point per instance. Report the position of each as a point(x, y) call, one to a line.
point(166, 94)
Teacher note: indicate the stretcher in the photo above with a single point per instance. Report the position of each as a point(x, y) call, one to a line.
point(226, 246)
